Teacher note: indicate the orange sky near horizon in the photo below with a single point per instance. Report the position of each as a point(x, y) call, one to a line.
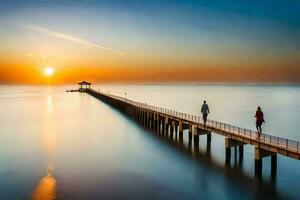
point(99, 66)
point(35, 75)
point(149, 42)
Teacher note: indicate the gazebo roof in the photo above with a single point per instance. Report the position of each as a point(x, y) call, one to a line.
point(84, 83)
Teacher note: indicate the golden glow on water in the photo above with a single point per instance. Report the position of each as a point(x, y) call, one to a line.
point(50, 142)
point(49, 138)
point(45, 189)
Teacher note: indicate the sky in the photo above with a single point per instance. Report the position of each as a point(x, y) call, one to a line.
point(150, 41)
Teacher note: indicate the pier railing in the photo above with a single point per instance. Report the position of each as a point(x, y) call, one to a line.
point(278, 142)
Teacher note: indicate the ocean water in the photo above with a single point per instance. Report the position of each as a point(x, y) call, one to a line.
point(58, 145)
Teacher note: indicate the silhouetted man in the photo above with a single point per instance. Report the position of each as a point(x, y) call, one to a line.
point(205, 111)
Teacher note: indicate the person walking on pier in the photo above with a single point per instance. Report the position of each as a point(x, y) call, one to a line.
point(259, 120)
point(204, 111)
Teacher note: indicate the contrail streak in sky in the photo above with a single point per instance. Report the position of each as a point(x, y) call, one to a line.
point(68, 37)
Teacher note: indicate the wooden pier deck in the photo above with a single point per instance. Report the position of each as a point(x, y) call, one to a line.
point(167, 121)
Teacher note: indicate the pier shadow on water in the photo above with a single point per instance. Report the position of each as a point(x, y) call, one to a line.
point(232, 170)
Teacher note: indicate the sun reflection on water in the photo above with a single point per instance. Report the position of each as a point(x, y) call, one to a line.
point(46, 188)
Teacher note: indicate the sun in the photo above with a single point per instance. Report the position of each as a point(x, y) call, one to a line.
point(48, 71)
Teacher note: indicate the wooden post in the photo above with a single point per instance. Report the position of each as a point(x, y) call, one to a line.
point(166, 126)
point(141, 115)
point(163, 126)
point(180, 132)
point(208, 143)
point(171, 129)
point(167, 129)
point(190, 132)
point(154, 121)
point(208, 137)
point(258, 167)
point(196, 150)
point(176, 128)
point(145, 118)
point(161, 121)
point(259, 155)
point(235, 154)
point(196, 139)
point(227, 151)
point(227, 156)
point(274, 164)
point(229, 142)
point(148, 120)
point(241, 152)
point(196, 135)
point(157, 123)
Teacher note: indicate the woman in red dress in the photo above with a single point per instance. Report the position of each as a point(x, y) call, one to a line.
point(259, 120)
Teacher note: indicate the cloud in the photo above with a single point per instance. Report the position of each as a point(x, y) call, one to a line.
point(68, 37)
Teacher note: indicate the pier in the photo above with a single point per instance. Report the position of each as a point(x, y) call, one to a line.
point(168, 122)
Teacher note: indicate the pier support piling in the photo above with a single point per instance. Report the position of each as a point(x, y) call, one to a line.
point(161, 125)
point(190, 133)
point(197, 131)
point(180, 131)
point(166, 126)
point(208, 135)
point(167, 130)
point(241, 152)
point(227, 156)
point(259, 155)
point(229, 142)
point(196, 139)
point(176, 128)
point(172, 126)
point(148, 119)
point(258, 167)
point(274, 164)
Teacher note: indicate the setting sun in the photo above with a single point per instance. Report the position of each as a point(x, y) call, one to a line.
point(48, 71)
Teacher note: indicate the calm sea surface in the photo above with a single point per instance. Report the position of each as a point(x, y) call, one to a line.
point(58, 145)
